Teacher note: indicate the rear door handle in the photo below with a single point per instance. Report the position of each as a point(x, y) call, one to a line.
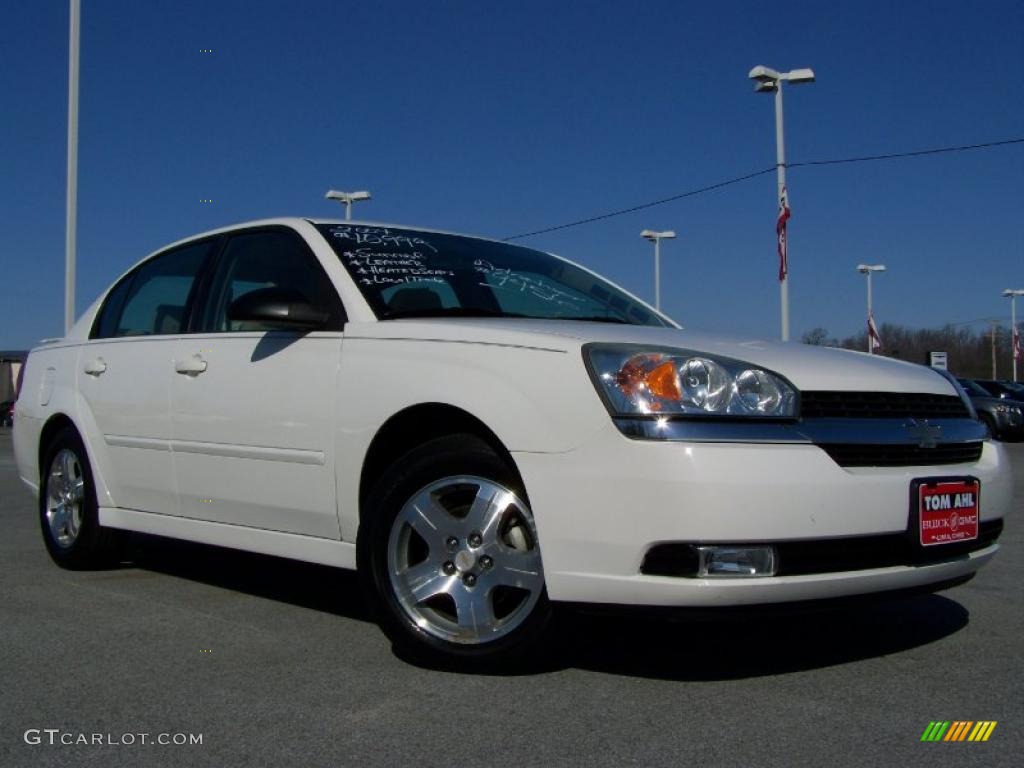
point(95, 367)
point(190, 366)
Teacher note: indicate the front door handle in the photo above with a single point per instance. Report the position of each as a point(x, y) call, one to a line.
point(190, 366)
point(95, 367)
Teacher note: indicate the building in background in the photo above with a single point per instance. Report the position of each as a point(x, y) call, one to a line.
point(10, 368)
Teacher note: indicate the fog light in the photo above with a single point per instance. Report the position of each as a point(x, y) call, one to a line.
point(736, 561)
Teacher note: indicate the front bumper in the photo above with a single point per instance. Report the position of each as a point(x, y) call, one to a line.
point(600, 508)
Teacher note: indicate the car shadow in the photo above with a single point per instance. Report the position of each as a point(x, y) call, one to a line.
point(737, 647)
point(307, 585)
point(664, 647)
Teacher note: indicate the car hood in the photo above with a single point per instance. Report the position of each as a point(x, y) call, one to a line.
point(807, 367)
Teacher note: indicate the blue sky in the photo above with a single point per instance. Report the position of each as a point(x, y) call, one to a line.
point(499, 118)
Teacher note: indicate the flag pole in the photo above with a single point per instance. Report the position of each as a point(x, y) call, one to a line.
point(1014, 334)
point(780, 165)
point(871, 319)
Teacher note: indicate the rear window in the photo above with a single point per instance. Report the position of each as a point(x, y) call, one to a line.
point(153, 300)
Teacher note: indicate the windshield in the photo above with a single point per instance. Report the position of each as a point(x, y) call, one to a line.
point(407, 273)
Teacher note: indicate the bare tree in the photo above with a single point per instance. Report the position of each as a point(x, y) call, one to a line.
point(819, 337)
point(970, 352)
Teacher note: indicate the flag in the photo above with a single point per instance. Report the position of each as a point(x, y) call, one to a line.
point(780, 231)
point(876, 340)
point(1018, 353)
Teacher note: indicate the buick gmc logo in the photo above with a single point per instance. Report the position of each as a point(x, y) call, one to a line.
point(926, 434)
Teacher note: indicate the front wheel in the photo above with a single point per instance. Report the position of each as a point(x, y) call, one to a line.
point(450, 558)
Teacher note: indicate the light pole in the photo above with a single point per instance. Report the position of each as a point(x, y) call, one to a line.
point(656, 238)
point(770, 81)
point(346, 199)
point(867, 269)
point(70, 220)
point(1015, 345)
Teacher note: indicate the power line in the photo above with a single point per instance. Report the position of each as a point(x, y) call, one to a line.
point(980, 320)
point(755, 174)
point(917, 153)
point(640, 207)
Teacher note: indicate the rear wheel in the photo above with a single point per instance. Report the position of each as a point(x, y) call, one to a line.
point(450, 559)
point(68, 513)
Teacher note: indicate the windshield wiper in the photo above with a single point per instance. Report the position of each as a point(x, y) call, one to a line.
point(398, 314)
point(599, 319)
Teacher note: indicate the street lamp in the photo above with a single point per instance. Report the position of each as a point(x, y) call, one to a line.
point(71, 210)
point(1015, 346)
point(346, 199)
point(769, 81)
point(656, 238)
point(873, 340)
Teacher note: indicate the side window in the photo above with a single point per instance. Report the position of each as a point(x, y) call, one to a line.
point(105, 325)
point(159, 293)
point(267, 259)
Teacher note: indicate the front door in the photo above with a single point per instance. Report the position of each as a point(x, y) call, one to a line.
point(253, 405)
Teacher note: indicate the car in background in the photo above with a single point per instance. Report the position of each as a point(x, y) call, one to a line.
point(1003, 417)
point(1016, 386)
point(7, 413)
point(484, 430)
point(1000, 389)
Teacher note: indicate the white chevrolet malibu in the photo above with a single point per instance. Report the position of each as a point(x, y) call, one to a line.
point(483, 430)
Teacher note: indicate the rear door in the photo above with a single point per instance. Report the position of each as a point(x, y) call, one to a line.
point(253, 405)
point(124, 373)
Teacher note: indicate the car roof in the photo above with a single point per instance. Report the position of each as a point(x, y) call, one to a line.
point(317, 220)
point(392, 225)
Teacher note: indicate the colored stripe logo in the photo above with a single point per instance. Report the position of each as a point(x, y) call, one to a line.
point(958, 730)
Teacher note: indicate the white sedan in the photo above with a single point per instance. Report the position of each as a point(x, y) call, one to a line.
point(484, 430)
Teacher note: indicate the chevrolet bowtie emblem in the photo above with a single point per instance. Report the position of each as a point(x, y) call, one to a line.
point(924, 432)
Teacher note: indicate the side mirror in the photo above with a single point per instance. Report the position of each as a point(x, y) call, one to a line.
point(282, 307)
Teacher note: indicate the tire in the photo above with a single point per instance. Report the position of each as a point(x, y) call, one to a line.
point(440, 532)
point(68, 512)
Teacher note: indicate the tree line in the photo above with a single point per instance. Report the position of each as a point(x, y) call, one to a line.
point(970, 352)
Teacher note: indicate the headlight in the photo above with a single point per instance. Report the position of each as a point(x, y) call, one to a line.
point(637, 381)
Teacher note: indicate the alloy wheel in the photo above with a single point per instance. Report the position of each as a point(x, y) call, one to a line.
point(463, 560)
point(65, 493)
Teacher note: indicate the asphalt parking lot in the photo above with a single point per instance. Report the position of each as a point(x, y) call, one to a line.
point(275, 663)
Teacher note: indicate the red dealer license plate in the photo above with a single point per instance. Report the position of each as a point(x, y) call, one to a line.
point(948, 511)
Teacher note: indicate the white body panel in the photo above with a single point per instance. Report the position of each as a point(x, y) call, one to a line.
point(264, 449)
point(128, 401)
point(601, 507)
point(253, 441)
point(308, 548)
